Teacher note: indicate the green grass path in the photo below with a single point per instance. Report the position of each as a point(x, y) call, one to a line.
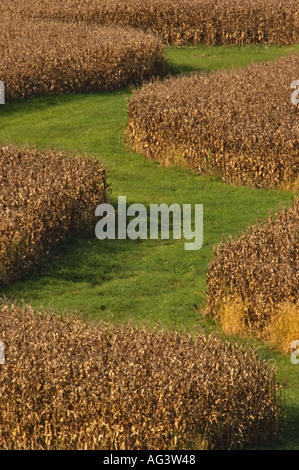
point(149, 281)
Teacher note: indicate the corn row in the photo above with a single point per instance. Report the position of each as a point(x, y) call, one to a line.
point(178, 22)
point(69, 385)
point(69, 58)
point(239, 124)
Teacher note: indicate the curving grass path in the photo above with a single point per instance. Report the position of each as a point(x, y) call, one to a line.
point(150, 281)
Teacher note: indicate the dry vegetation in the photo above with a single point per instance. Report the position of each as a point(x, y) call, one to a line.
point(238, 124)
point(69, 385)
point(44, 198)
point(253, 281)
point(202, 21)
point(48, 57)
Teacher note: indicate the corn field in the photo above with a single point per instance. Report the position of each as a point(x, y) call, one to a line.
point(253, 281)
point(69, 385)
point(179, 22)
point(239, 124)
point(46, 197)
point(71, 58)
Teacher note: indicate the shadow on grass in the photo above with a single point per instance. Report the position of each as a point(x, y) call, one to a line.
point(23, 106)
point(87, 259)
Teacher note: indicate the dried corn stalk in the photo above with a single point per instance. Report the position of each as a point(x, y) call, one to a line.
point(68, 385)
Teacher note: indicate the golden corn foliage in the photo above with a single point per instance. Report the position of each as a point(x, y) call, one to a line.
point(49, 57)
point(253, 281)
point(284, 325)
point(45, 197)
point(180, 21)
point(239, 124)
point(69, 385)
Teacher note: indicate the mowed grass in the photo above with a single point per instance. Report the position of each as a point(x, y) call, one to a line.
point(150, 281)
point(203, 58)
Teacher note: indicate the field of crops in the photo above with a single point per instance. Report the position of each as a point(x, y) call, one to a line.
point(187, 21)
point(122, 388)
point(73, 58)
point(108, 343)
point(238, 124)
point(253, 282)
point(45, 198)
